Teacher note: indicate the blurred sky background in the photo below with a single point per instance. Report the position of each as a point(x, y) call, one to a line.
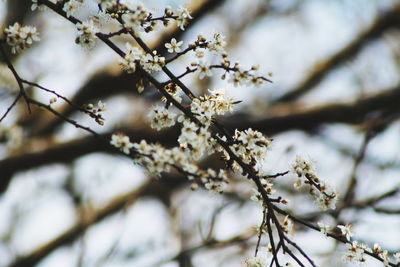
point(291, 39)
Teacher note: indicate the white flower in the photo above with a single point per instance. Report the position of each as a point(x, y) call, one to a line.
point(303, 166)
point(162, 118)
point(36, 6)
point(183, 17)
point(217, 43)
point(86, 34)
point(174, 46)
point(20, 37)
point(385, 257)
point(105, 4)
point(102, 106)
point(255, 262)
point(135, 18)
point(397, 257)
point(204, 70)
point(355, 252)
point(287, 225)
point(239, 78)
point(133, 56)
point(346, 231)
point(152, 62)
point(71, 6)
point(122, 142)
point(324, 228)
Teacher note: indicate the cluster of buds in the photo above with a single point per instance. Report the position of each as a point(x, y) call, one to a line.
point(96, 112)
point(134, 56)
point(20, 37)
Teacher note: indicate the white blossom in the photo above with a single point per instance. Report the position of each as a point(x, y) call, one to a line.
point(324, 228)
point(133, 56)
point(204, 70)
point(346, 231)
point(355, 252)
point(183, 17)
point(174, 46)
point(162, 118)
point(20, 37)
point(86, 34)
point(255, 262)
point(217, 43)
point(134, 19)
point(122, 142)
point(70, 7)
point(106, 4)
point(152, 62)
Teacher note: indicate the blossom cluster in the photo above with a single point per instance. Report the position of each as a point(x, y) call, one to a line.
point(134, 56)
point(86, 34)
point(250, 146)
point(158, 159)
point(70, 7)
point(325, 197)
point(20, 37)
point(136, 18)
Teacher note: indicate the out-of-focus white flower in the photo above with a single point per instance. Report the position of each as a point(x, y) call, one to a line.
point(105, 4)
point(324, 228)
point(204, 70)
point(71, 6)
point(346, 231)
point(255, 262)
point(183, 17)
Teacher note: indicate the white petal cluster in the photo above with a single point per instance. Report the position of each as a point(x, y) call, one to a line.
point(174, 91)
point(324, 228)
point(174, 46)
point(106, 4)
point(183, 17)
point(131, 59)
point(287, 225)
point(346, 231)
point(325, 196)
point(213, 181)
point(217, 43)
point(152, 62)
point(86, 34)
point(162, 118)
point(158, 159)
point(122, 142)
point(204, 70)
point(355, 252)
point(217, 103)
point(255, 262)
point(194, 139)
point(135, 18)
point(35, 6)
point(70, 7)
point(242, 77)
point(250, 146)
point(20, 37)
point(149, 62)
